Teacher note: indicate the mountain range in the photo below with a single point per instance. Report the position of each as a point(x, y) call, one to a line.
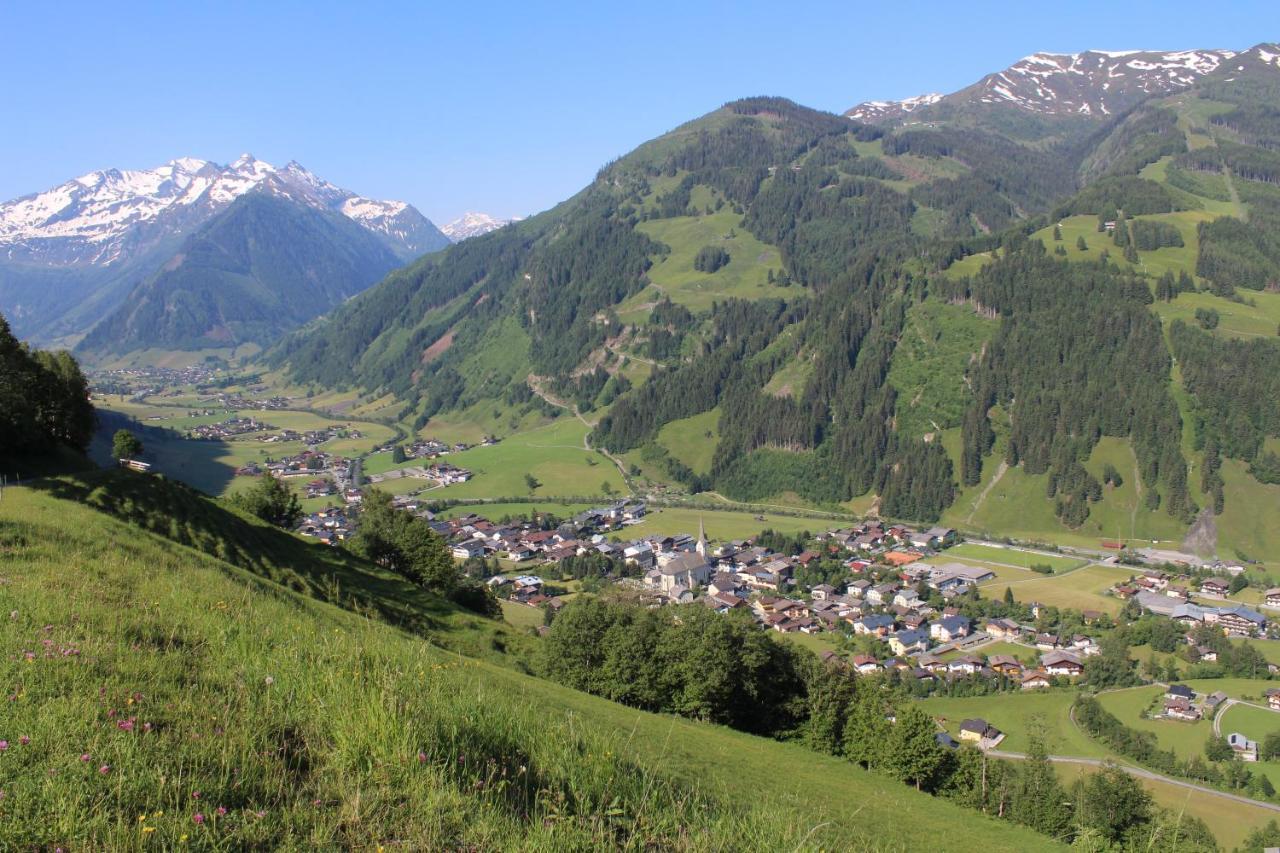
point(987, 289)
point(71, 255)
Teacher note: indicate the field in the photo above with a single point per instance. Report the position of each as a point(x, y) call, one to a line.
point(168, 669)
point(693, 440)
point(495, 511)
point(1043, 713)
point(521, 615)
point(1013, 557)
point(1081, 589)
point(672, 275)
point(721, 524)
point(554, 454)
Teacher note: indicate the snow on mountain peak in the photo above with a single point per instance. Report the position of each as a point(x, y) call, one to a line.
point(95, 218)
point(473, 224)
point(1094, 82)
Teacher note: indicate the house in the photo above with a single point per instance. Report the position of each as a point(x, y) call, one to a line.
point(1048, 642)
point(964, 665)
point(1245, 749)
point(1035, 680)
point(909, 642)
point(723, 583)
point(822, 592)
point(859, 588)
point(1240, 621)
point(979, 731)
point(1003, 629)
point(881, 594)
point(1005, 665)
point(470, 548)
point(949, 628)
point(1180, 691)
point(1181, 709)
point(1214, 588)
point(865, 664)
point(1272, 597)
point(876, 624)
point(1213, 700)
point(1062, 663)
point(1273, 699)
point(907, 598)
point(723, 602)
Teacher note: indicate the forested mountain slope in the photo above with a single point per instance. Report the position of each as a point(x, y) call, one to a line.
point(259, 269)
point(815, 286)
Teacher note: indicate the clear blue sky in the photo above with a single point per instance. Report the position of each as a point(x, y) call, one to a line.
point(501, 107)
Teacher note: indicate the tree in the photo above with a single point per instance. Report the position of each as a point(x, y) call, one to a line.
point(404, 544)
point(608, 488)
point(270, 500)
point(1057, 232)
point(1111, 802)
point(1038, 798)
point(914, 754)
point(1112, 667)
point(1217, 749)
point(531, 482)
point(125, 445)
point(867, 730)
point(397, 454)
point(1081, 244)
point(1271, 746)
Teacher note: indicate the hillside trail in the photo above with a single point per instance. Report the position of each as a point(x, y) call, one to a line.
point(535, 384)
point(1004, 466)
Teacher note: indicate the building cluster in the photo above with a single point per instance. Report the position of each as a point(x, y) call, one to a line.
point(1174, 596)
point(230, 428)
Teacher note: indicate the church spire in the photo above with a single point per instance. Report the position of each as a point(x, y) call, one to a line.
point(701, 547)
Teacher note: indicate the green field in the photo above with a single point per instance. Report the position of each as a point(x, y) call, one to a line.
point(495, 511)
point(1044, 713)
point(346, 732)
point(673, 275)
point(1081, 589)
point(521, 615)
point(1014, 557)
point(721, 524)
point(693, 440)
point(554, 454)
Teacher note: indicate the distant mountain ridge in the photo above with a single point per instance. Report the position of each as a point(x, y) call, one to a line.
point(70, 255)
point(1094, 83)
point(472, 224)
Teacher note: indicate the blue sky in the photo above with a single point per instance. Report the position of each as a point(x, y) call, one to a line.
point(503, 108)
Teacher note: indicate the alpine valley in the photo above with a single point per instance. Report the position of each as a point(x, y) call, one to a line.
point(193, 254)
point(1019, 308)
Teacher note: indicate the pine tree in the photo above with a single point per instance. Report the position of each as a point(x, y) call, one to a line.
point(1081, 244)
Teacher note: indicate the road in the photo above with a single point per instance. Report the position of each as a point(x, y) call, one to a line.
point(535, 384)
point(1222, 710)
point(1141, 774)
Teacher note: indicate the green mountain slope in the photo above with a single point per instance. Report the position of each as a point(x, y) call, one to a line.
point(860, 306)
point(261, 268)
point(164, 697)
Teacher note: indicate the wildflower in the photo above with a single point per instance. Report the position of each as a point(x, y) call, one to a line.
point(182, 839)
point(198, 818)
point(195, 795)
point(4, 744)
point(222, 810)
point(148, 829)
point(13, 614)
point(125, 725)
point(24, 740)
point(84, 756)
point(104, 769)
point(268, 681)
point(142, 818)
point(422, 757)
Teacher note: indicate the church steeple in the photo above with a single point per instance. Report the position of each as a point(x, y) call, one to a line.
point(701, 547)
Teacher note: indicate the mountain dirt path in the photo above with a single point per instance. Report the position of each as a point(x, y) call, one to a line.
point(535, 384)
point(1004, 466)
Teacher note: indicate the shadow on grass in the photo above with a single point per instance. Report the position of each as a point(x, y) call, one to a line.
point(182, 515)
point(195, 462)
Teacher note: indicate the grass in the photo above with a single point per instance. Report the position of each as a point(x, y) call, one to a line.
point(928, 366)
point(693, 440)
point(744, 277)
point(495, 511)
point(199, 687)
point(1245, 527)
point(1013, 556)
point(721, 524)
point(1081, 589)
point(1235, 319)
point(1021, 715)
point(554, 454)
point(521, 615)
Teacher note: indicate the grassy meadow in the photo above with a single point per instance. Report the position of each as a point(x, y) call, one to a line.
point(162, 697)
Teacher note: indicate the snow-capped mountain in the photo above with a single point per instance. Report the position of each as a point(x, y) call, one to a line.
point(105, 217)
point(1096, 83)
point(471, 224)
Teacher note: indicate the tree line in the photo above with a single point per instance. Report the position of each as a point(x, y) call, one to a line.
point(44, 399)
